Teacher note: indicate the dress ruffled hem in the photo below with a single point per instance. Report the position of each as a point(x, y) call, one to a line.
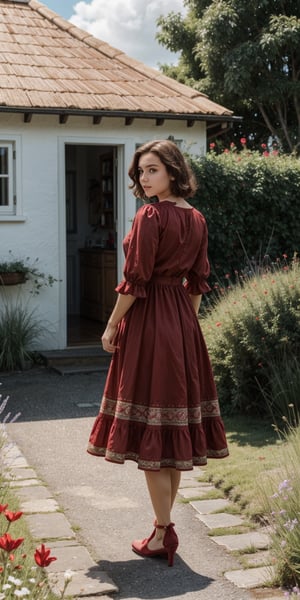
point(180, 447)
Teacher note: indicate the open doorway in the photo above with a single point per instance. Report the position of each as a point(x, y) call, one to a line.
point(91, 216)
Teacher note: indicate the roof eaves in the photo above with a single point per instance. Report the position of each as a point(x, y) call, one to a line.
point(121, 113)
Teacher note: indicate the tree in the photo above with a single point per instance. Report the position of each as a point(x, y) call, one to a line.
point(245, 55)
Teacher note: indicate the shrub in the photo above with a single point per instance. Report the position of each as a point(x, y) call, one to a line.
point(250, 202)
point(248, 331)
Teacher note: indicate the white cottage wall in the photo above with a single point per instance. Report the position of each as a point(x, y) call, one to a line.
point(41, 193)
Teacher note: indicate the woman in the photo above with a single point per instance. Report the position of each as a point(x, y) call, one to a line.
point(160, 406)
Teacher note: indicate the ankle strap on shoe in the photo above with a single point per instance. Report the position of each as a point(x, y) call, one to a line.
point(164, 526)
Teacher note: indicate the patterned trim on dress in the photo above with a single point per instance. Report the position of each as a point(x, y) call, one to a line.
point(210, 408)
point(127, 411)
point(218, 453)
point(148, 465)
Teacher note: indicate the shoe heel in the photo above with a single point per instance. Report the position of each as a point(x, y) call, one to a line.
point(171, 554)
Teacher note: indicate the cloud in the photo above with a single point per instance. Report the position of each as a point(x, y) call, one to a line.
point(129, 26)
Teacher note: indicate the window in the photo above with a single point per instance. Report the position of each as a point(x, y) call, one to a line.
point(11, 209)
point(7, 177)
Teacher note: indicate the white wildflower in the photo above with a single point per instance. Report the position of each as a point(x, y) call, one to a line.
point(14, 580)
point(22, 592)
point(68, 574)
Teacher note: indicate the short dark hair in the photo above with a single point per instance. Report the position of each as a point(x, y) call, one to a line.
point(184, 184)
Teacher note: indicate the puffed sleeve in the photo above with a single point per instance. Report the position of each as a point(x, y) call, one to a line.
point(141, 252)
point(196, 279)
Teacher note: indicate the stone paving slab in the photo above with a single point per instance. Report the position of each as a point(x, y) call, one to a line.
point(49, 526)
point(195, 492)
point(44, 505)
point(259, 559)
point(196, 472)
point(84, 583)
point(241, 541)
point(20, 473)
point(76, 558)
point(35, 492)
point(251, 578)
point(220, 520)
point(205, 507)
point(266, 594)
point(96, 597)
point(189, 483)
point(16, 462)
point(53, 544)
point(24, 483)
point(10, 452)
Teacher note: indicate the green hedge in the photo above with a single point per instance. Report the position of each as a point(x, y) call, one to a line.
point(252, 205)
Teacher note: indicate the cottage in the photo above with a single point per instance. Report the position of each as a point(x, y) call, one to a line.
point(72, 111)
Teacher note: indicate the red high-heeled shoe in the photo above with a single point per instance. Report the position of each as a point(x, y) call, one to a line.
point(170, 544)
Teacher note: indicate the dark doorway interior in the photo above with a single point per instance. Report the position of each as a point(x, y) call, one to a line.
point(91, 214)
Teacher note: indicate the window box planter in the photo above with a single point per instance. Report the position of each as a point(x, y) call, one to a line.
point(12, 278)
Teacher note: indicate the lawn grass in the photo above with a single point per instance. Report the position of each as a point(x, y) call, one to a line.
point(255, 449)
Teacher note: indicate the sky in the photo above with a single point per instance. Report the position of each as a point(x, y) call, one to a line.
point(129, 25)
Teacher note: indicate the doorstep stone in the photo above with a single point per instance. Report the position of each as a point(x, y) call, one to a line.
point(251, 578)
point(205, 507)
point(240, 541)
point(49, 526)
point(83, 583)
point(220, 520)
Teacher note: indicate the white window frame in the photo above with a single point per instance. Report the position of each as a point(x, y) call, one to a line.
point(13, 211)
point(8, 209)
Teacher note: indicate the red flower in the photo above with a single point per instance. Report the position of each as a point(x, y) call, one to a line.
point(3, 507)
point(243, 141)
point(263, 146)
point(212, 145)
point(42, 556)
point(266, 153)
point(12, 516)
point(218, 324)
point(226, 151)
point(8, 544)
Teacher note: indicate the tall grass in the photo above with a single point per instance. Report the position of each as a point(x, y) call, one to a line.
point(280, 498)
point(19, 329)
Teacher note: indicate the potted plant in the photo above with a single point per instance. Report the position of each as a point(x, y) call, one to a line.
point(14, 271)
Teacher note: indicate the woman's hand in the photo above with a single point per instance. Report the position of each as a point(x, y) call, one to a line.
point(108, 338)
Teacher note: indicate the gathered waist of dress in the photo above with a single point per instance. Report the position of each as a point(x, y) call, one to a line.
point(166, 280)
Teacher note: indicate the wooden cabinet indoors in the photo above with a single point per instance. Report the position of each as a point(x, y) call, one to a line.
point(98, 279)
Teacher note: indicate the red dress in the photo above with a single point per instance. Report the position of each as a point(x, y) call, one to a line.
point(160, 406)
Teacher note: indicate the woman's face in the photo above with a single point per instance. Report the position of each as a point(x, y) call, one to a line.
point(153, 176)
